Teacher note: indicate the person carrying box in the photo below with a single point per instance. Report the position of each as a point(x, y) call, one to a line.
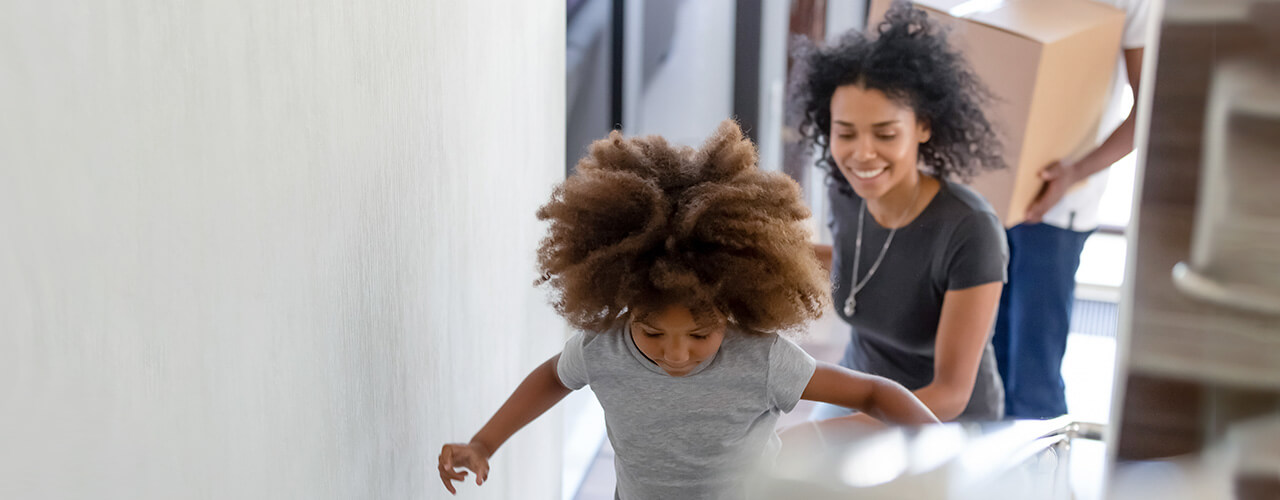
point(1035, 308)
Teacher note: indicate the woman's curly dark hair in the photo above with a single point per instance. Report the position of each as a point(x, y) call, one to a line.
point(912, 63)
point(643, 225)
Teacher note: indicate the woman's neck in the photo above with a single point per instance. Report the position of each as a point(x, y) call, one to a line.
point(901, 204)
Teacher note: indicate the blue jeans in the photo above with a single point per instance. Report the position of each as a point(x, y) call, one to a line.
point(1035, 316)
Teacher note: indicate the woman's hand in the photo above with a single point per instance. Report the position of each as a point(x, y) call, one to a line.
point(457, 455)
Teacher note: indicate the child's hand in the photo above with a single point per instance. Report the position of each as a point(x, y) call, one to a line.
point(470, 456)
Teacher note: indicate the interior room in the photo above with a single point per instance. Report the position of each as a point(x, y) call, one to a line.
point(315, 250)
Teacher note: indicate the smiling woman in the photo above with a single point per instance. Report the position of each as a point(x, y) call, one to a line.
point(897, 118)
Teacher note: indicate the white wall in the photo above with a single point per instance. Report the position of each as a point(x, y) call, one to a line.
point(692, 91)
point(775, 20)
point(272, 249)
point(845, 15)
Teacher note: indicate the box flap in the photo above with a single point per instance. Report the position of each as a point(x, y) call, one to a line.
point(1045, 21)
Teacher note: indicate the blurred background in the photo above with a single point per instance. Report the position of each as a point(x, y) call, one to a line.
point(285, 249)
point(676, 68)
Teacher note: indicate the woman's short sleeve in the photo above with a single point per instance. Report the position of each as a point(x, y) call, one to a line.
point(977, 253)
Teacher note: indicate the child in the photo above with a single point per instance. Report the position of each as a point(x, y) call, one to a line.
point(680, 268)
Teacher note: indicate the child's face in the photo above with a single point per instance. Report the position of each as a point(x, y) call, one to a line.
point(874, 140)
point(674, 340)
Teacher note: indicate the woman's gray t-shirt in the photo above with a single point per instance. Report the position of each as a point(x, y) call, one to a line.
point(957, 242)
point(695, 436)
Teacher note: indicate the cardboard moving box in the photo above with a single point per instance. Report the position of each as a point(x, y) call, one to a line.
point(1050, 65)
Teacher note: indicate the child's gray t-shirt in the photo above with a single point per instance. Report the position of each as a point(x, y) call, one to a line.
point(696, 436)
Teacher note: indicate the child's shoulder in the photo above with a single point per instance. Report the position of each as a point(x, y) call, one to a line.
point(608, 339)
point(756, 346)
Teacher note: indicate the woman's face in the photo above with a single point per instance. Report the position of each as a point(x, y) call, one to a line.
point(675, 341)
point(874, 140)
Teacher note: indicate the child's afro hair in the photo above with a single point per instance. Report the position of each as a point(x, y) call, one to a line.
point(643, 225)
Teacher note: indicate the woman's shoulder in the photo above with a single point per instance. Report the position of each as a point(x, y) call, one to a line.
point(963, 200)
point(966, 213)
point(959, 205)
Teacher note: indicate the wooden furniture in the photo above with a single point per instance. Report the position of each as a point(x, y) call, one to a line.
point(1193, 367)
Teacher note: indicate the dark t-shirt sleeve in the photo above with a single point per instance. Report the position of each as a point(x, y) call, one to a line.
point(977, 253)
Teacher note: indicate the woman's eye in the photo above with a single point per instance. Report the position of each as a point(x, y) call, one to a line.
point(886, 136)
point(700, 337)
point(844, 136)
point(652, 335)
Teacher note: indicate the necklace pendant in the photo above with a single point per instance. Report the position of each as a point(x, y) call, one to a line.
point(850, 306)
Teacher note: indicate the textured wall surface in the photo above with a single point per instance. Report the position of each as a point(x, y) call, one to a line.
point(272, 249)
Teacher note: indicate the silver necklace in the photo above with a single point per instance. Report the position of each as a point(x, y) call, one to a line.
point(851, 303)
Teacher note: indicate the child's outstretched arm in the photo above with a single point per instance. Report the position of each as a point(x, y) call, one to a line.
point(540, 391)
point(877, 397)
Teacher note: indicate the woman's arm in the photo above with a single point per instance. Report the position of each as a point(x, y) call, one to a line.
point(963, 329)
point(967, 316)
point(878, 397)
point(540, 391)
